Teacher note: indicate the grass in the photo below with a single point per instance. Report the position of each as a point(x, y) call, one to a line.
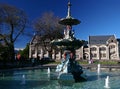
point(104, 62)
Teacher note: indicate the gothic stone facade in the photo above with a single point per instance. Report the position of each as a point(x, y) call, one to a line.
point(36, 49)
point(104, 47)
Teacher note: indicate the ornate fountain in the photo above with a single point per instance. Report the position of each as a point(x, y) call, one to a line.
point(69, 69)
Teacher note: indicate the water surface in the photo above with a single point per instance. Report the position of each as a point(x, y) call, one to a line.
point(40, 79)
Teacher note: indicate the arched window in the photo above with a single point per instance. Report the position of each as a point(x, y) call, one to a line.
point(102, 48)
point(93, 49)
point(112, 46)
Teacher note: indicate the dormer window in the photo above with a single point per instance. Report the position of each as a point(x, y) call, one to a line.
point(111, 40)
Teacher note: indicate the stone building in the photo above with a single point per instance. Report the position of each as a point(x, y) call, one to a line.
point(36, 49)
point(104, 47)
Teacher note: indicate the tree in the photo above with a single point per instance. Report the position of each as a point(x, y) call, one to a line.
point(25, 53)
point(12, 24)
point(48, 28)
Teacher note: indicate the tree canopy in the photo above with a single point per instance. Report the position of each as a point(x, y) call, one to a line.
point(12, 24)
point(48, 28)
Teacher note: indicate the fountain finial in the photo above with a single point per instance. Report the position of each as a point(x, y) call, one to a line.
point(69, 10)
point(69, 20)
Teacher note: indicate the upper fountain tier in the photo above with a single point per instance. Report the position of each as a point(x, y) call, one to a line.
point(69, 20)
point(68, 41)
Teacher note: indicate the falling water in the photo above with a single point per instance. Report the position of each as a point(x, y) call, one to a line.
point(48, 70)
point(23, 79)
point(98, 69)
point(107, 82)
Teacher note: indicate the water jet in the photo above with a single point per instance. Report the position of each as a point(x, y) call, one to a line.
point(23, 80)
point(98, 69)
point(107, 83)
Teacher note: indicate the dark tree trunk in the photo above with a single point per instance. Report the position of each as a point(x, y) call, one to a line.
point(11, 52)
point(50, 54)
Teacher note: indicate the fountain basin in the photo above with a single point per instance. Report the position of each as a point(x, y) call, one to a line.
point(66, 79)
point(38, 79)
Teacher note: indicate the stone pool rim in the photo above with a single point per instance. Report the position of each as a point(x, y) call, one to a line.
point(53, 66)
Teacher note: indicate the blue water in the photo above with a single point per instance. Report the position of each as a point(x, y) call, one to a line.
point(39, 79)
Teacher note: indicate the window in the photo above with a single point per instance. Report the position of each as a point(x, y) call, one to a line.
point(112, 46)
point(93, 49)
point(33, 51)
point(94, 55)
point(39, 51)
point(103, 55)
point(111, 40)
point(102, 49)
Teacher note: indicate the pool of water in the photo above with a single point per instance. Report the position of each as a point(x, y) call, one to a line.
point(40, 79)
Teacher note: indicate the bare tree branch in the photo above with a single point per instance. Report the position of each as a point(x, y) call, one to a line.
point(48, 28)
point(12, 23)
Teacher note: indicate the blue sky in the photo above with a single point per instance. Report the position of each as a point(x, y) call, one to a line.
point(98, 17)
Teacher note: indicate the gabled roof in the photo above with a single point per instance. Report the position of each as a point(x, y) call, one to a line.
point(102, 39)
point(34, 38)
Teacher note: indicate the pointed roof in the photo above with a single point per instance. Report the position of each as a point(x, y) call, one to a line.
point(34, 39)
point(102, 39)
